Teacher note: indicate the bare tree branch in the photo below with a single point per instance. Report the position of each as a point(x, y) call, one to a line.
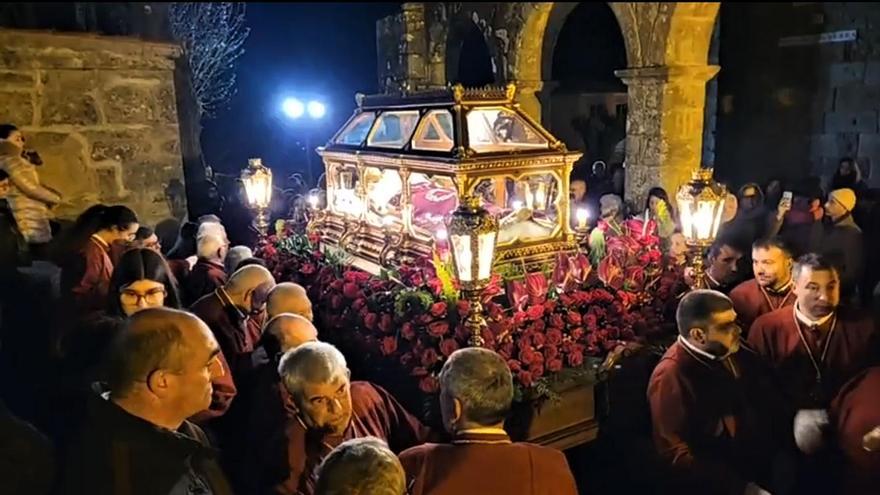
point(212, 35)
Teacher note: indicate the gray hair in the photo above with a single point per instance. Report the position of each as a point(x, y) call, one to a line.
point(235, 256)
point(361, 466)
point(208, 245)
point(481, 380)
point(312, 362)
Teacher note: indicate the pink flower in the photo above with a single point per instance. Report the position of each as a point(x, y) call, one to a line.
point(525, 378)
point(438, 328)
point(574, 318)
point(537, 370)
point(575, 359)
point(554, 365)
point(389, 345)
point(429, 357)
point(370, 321)
point(528, 357)
point(386, 324)
point(554, 337)
point(429, 385)
point(438, 309)
point(535, 311)
point(351, 291)
point(448, 346)
point(550, 352)
point(407, 331)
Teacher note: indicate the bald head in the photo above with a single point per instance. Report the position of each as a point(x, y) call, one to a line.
point(249, 287)
point(288, 297)
point(153, 339)
point(288, 331)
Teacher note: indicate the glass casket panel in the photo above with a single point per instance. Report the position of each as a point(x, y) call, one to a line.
point(435, 132)
point(343, 199)
point(497, 129)
point(393, 129)
point(384, 188)
point(433, 198)
point(526, 206)
point(357, 128)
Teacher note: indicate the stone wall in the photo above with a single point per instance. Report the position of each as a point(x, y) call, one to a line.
point(101, 112)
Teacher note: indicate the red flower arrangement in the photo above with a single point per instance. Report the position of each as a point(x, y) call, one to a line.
point(540, 324)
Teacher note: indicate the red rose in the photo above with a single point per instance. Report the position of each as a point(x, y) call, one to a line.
point(429, 385)
point(463, 307)
point(386, 324)
point(528, 356)
point(525, 378)
point(537, 370)
point(539, 326)
point(358, 304)
point(590, 321)
point(336, 302)
point(438, 328)
point(554, 337)
point(506, 349)
point(370, 320)
point(429, 357)
point(408, 331)
point(351, 290)
point(550, 353)
point(554, 365)
point(535, 311)
point(556, 321)
point(550, 306)
point(419, 371)
point(577, 333)
point(438, 309)
point(406, 359)
point(575, 358)
point(448, 346)
point(389, 345)
point(574, 318)
point(425, 319)
point(514, 365)
point(538, 339)
point(519, 318)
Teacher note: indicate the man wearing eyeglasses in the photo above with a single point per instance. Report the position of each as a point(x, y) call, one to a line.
point(328, 410)
point(136, 439)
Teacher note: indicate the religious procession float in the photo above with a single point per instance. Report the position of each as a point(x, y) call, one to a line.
point(446, 222)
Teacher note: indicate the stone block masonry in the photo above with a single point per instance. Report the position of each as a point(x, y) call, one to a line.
point(102, 113)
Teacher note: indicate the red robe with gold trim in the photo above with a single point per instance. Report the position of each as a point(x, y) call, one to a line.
point(750, 302)
point(852, 348)
point(486, 463)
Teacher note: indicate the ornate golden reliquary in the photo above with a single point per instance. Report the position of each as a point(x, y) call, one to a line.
point(401, 164)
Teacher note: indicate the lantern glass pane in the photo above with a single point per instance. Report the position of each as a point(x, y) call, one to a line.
point(461, 249)
point(486, 247)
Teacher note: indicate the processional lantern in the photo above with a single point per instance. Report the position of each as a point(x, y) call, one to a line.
point(700, 205)
point(257, 180)
point(473, 233)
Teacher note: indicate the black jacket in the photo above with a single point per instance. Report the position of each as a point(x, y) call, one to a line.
point(116, 453)
point(26, 459)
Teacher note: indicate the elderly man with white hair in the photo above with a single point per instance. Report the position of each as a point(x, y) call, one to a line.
point(236, 255)
point(209, 272)
point(328, 410)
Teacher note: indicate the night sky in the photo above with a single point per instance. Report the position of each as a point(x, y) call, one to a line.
point(323, 51)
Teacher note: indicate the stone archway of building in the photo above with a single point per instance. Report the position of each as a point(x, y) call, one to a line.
point(667, 46)
point(469, 59)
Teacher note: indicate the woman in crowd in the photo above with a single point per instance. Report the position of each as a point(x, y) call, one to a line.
point(142, 279)
point(661, 211)
point(86, 266)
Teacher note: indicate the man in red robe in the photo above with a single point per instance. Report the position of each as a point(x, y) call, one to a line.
point(771, 288)
point(329, 409)
point(209, 272)
point(814, 347)
point(227, 312)
point(712, 411)
point(855, 413)
point(476, 391)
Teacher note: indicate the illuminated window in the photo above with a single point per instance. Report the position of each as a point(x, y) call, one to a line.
point(498, 129)
point(357, 128)
point(393, 129)
point(434, 132)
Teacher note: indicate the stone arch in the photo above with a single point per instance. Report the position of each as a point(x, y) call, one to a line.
point(667, 47)
point(466, 43)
